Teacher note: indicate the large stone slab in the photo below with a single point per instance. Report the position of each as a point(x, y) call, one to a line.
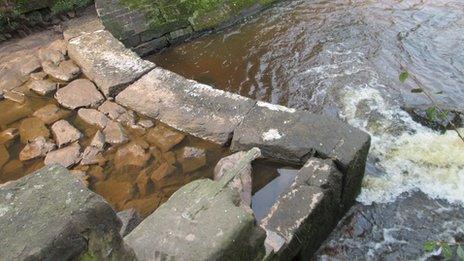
point(106, 61)
point(220, 230)
point(186, 105)
point(50, 215)
point(305, 214)
point(295, 136)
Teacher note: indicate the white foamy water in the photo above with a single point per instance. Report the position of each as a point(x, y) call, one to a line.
point(418, 158)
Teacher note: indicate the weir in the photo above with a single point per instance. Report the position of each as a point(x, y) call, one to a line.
point(205, 219)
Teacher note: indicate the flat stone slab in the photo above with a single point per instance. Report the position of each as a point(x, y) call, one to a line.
point(106, 61)
point(294, 136)
point(220, 230)
point(186, 105)
point(79, 93)
point(50, 215)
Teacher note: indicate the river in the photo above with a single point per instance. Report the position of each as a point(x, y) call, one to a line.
point(344, 58)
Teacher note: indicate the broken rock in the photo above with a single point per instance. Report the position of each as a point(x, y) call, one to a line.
point(43, 87)
point(32, 128)
point(66, 71)
point(114, 133)
point(164, 138)
point(51, 113)
point(64, 133)
point(39, 147)
point(192, 159)
point(93, 117)
point(79, 93)
point(131, 154)
point(67, 156)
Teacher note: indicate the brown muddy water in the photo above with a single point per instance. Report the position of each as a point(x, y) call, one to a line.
point(343, 58)
point(116, 179)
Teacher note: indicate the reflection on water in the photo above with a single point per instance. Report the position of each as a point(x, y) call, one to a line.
point(343, 58)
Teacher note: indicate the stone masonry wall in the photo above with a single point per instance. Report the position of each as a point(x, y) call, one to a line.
point(149, 25)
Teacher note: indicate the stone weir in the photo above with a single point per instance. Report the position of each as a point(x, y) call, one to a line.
point(48, 215)
point(147, 26)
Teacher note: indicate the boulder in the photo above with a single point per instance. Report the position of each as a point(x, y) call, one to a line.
point(201, 221)
point(130, 219)
point(131, 154)
point(164, 138)
point(114, 133)
point(192, 158)
point(93, 117)
point(50, 215)
point(66, 71)
point(294, 136)
point(32, 128)
point(118, 113)
point(43, 87)
point(186, 105)
point(106, 61)
point(39, 147)
point(79, 93)
point(67, 156)
point(64, 133)
point(305, 214)
point(51, 113)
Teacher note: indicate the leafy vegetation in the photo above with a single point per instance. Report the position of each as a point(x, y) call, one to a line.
point(444, 250)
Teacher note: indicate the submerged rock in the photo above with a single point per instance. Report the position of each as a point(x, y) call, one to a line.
point(15, 96)
point(116, 192)
point(192, 158)
point(165, 170)
point(114, 133)
point(4, 155)
point(51, 113)
point(64, 133)
point(131, 154)
point(32, 128)
point(39, 147)
point(164, 138)
point(43, 87)
point(8, 136)
point(93, 153)
point(118, 113)
point(66, 157)
point(79, 93)
point(93, 117)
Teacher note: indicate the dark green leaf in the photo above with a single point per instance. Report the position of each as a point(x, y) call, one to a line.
point(446, 251)
point(431, 113)
point(460, 253)
point(416, 90)
point(429, 246)
point(403, 76)
point(439, 92)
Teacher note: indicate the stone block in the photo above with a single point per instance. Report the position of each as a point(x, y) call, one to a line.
point(106, 61)
point(294, 136)
point(221, 230)
point(186, 105)
point(305, 214)
point(50, 215)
